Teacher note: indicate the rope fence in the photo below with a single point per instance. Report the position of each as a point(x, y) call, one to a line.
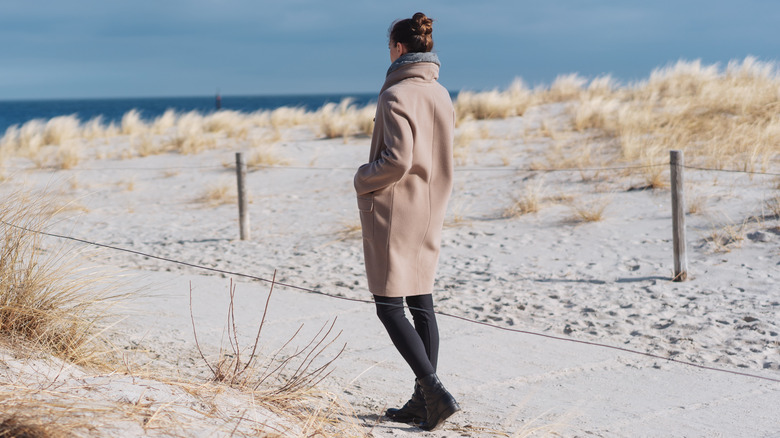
point(358, 300)
point(457, 169)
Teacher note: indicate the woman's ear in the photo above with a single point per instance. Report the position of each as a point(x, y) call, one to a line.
point(402, 50)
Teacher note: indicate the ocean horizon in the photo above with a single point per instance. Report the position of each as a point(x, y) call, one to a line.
point(18, 112)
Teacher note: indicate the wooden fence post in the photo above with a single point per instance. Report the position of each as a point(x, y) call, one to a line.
point(243, 211)
point(676, 161)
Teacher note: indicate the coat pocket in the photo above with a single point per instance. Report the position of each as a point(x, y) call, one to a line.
point(366, 207)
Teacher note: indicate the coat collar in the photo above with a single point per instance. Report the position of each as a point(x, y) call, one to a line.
point(420, 65)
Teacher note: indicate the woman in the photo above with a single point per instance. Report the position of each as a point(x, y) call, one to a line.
point(402, 197)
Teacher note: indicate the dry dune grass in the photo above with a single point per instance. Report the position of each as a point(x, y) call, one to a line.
point(219, 194)
point(345, 119)
point(720, 117)
point(589, 211)
point(264, 155)
point(45, 300)
point(494, 104)
point(185, 133)
point(528, 202)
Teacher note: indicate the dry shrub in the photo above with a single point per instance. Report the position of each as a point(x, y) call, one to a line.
point(46, 299)
point(278, 380)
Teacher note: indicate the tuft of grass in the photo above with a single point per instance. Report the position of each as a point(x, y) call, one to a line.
point(528, 202)
point(132, 123)
point(590, 212)
point(190, 136)
point(46, 299)
point(165, 123)
point(60, 129)
point(263, 154)
point(727, 237)
point(219, 194)
point(285, 117)
point(696, 205)
point(345, 119)
point(564, 88)
point(493, 104)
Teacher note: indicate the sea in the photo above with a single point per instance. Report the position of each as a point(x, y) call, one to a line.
point(17, 112)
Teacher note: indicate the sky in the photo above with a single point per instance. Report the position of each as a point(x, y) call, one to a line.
point(52, 49)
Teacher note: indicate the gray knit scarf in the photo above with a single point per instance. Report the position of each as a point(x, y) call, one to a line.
point(413, 58)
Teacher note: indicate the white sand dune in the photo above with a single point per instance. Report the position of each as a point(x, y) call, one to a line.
point(605, 281)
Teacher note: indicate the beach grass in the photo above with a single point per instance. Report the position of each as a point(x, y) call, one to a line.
point(721, 117)
point(47, 300)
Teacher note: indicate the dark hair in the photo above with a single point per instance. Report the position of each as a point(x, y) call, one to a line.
point(414, 33)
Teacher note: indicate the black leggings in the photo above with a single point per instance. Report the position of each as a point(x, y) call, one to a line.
point(419, 345)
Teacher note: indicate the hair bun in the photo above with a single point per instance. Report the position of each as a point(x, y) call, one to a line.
point(421, 24)
point(415, 33)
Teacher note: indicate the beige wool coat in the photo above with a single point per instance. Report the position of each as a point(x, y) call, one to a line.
point(403, 190)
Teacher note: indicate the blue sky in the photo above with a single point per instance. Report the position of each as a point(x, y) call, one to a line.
point(139, 48)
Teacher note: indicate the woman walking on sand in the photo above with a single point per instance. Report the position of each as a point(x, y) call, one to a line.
point(402, 197)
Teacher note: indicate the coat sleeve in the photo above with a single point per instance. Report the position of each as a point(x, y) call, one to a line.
point(396, 159)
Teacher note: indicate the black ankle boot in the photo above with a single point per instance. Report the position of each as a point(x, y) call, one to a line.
point(412, 411)
point(439, 404)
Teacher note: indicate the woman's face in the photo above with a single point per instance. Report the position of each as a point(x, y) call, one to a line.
point(396, 50)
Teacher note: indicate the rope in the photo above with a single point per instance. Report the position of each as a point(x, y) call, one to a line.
point(457, 169)
point(358, 300)
point(731, 171)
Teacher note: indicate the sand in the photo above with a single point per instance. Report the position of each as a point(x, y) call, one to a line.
point(546, 272)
